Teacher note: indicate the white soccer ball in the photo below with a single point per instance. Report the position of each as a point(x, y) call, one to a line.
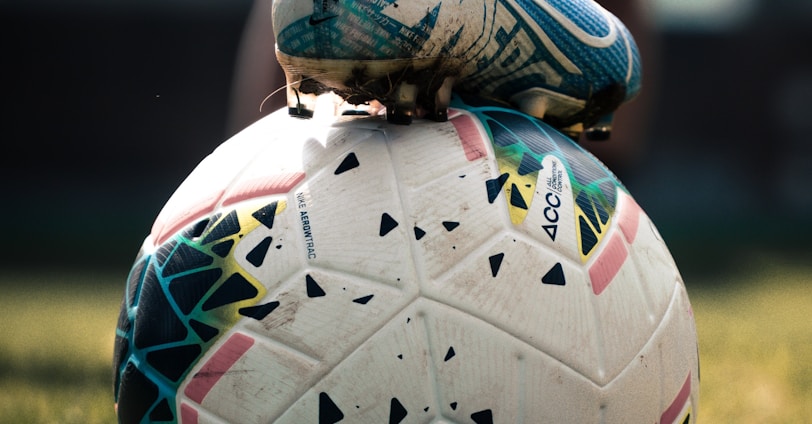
point(485, 269)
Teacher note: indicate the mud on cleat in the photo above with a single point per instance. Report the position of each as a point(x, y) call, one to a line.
point(569, 62)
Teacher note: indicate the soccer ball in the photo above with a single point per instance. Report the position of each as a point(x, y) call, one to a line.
point(485, 269)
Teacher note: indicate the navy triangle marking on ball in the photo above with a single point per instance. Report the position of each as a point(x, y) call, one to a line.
point(496, 263)
point(156, 322)
point(555, 276)
point(450, 354)
point(418, 233)
point(387, 224)
point(258, 312)
point(221, 249)
point(494, 186)
point(257, 255)
point(453, 406)
point(349, 162)
point(174, 361)
point(185, 258)
point(483, 417)
point(188, 290)
point(363, 300)
point(162, 412)
point(516, 198)
point(313, 288)
point(266, 214)
point(227, 226)
point(588, 237)
point(450, 225)
point(592, 209)
point(329, 413)
point(234, 289)
point(197, 229)
point(397, 412)
point(137, 393)
point(205, 331)
point(529, 164)
point(163, 252)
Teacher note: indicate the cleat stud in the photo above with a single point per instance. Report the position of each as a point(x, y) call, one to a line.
point(601, 131)
point(354, 112)
point(440, 115)
point(299, 112)
point(597, 134)
point(398, 115)
point(300, 105)
point(405, 101)
point(442, 99)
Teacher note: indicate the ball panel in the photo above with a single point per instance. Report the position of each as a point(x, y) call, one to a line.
point(352, 221)
point(492, 370)
point(554, 316)
point(426, 151)
point(656, 379)
point(394, 363)
point(653, 262)
point(250, 188)
point(622, 314)
point(324, 314)
point(451, 218)
point(234, 381)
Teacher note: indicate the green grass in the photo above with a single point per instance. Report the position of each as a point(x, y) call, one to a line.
point(56, 347)
point(755, 341)
point(755, 335)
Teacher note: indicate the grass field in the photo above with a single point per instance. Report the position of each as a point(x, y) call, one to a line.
point(755, 338)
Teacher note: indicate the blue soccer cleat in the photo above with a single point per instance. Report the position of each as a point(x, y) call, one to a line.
point(570, 62)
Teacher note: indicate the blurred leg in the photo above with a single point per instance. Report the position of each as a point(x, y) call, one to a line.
point(257, 73)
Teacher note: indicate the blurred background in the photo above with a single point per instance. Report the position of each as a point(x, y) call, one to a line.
point(106, 105)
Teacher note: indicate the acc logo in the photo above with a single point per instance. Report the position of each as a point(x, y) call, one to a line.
point(551, 214)
point(554, 175)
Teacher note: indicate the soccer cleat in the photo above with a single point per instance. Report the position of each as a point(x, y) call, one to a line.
point(569, 62)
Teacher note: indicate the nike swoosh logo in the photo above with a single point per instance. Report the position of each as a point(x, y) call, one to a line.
point(316, 21)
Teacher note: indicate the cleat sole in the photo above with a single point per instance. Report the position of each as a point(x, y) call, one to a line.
point(422, 87)
point(407, 88)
